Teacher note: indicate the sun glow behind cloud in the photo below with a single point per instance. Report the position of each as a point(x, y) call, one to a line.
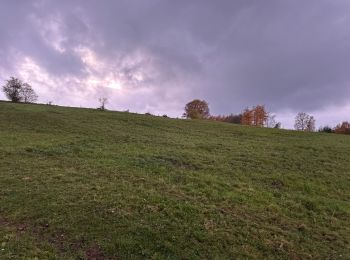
point(127, 82)
point(81, 68)
point(67, 90)
point(114, 85)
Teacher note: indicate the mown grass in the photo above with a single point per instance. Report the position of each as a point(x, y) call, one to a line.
point(81, 183)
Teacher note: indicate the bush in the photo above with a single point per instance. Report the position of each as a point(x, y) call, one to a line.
point(234, 119)
point(326, 129)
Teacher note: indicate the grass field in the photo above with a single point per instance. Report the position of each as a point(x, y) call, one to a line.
point(81, 183)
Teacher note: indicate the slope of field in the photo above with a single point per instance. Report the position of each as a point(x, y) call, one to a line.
point(81, 183)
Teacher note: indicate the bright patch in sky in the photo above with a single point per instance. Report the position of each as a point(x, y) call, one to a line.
point(114, 85)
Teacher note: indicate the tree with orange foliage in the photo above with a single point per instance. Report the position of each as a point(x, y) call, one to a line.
point(247, 117)
point(257, 116)
point(260, 115)
point(343, 128)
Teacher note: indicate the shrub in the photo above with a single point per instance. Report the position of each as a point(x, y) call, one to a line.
point(234, 119)
point(325, 129)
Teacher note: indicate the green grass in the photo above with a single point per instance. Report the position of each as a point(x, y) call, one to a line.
point(81, 183)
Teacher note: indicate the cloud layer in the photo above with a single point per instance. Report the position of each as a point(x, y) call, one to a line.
point(156, 55)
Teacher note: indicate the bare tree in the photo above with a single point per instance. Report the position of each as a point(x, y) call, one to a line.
point(311, 125)
point(28, 94)
point(304, 122)
point(103, 102)
point(271, 121)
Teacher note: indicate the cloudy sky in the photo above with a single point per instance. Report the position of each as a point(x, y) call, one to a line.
point(156, 55)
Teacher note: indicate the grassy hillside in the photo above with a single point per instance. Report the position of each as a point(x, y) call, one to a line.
point(91, 184)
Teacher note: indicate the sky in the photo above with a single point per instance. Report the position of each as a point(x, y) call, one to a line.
point(157, 55)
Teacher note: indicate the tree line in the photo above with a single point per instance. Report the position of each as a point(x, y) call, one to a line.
point(258, 116)
point(255, 116)
point(19, 91)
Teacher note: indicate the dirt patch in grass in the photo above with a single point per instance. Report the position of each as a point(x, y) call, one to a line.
point(94, 252)
point(277, 184)
point(58, 239)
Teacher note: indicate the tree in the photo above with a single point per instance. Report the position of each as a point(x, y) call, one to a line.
point(310, 127)
point(257, 116)
point(271, 121)
point(304, 122)
point(260, 115)
point(17, 91)
point(103, 102)
point(343, 128)
point(197, 109)
point(12, 89)
point(28, 94)
point(247, 117)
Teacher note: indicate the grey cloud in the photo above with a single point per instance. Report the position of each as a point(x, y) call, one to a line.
point(289, 55)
